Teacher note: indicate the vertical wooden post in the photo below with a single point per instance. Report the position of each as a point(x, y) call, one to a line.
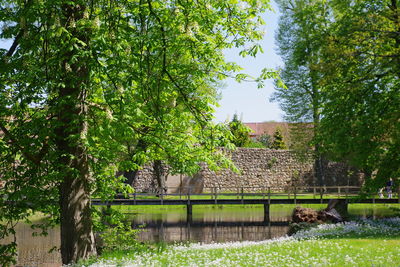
point(134, 198)
point(269, 195)
point(338, 189)
point(295, 195)
point(189, 213)
point(266, 213)
point(162, 197)
point(314, 192)
point(242, 194)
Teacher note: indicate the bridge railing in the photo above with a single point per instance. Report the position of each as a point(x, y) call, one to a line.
point(261, 192)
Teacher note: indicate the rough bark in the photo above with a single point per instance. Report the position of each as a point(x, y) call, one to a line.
point(77, 238)
point(160, 176)
point(315, 96)
point(319, 167)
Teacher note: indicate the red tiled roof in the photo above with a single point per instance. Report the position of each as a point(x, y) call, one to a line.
point(260, 128)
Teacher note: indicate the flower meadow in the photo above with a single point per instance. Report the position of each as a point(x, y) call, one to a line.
point(362, 243)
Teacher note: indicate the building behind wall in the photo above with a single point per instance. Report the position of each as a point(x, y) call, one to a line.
point(260, 128)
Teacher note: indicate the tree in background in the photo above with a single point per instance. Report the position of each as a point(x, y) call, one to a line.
point(360, 62)
point(239, 132)
point(265, 139)
point(89, 88)
point(341, 72)
point(302, 27)
point(277, 140)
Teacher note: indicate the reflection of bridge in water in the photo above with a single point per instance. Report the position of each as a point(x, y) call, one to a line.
point(209, 232)
point(160, 224)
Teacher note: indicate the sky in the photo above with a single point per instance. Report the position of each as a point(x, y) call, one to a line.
point(245, 99)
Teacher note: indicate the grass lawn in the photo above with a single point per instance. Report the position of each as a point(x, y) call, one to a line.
point(331, 252)
point(363, 243)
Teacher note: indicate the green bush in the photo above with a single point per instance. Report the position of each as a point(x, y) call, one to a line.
point(239, 132)
point(122, 238)
point(278, 142)
point(254, 144)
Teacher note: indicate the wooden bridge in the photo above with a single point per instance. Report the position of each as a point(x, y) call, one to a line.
point(249, 196)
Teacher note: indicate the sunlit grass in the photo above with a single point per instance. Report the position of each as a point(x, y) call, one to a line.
point(367, 243)
point(333, 252)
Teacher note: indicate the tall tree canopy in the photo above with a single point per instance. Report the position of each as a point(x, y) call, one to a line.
point(361, 117)
point(351, 64)
point(91, 87)
point(300, 35)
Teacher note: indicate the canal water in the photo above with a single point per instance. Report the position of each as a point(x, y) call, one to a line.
point(169, 224)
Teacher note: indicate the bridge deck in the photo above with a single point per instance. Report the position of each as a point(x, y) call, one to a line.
point(232, 201)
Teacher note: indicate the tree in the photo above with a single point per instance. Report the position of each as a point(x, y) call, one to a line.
point(91, 87)
point(278, 142)
point(265, 139)
point(300, 37)
point(239, 132)
point(353, 64)
point(360, 62)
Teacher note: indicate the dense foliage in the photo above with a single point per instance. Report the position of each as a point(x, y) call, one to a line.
point(89, 88)
point(300, 35)
point(278, 142)
point(361, 117)
point(341, 72)
point(239, 132)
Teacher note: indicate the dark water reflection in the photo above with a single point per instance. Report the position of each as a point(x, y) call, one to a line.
point(213, 225)
point(34, 251)
point(170, 225)
point(209, 234)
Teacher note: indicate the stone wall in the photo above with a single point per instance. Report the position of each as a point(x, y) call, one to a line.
point(145, 180)
point(260, 167)
point(278, 169)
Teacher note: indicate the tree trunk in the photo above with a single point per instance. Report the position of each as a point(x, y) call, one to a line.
point(160, 176)
point(319, 168)
point(318, 162)
point(77, 238)
point(315, 96)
